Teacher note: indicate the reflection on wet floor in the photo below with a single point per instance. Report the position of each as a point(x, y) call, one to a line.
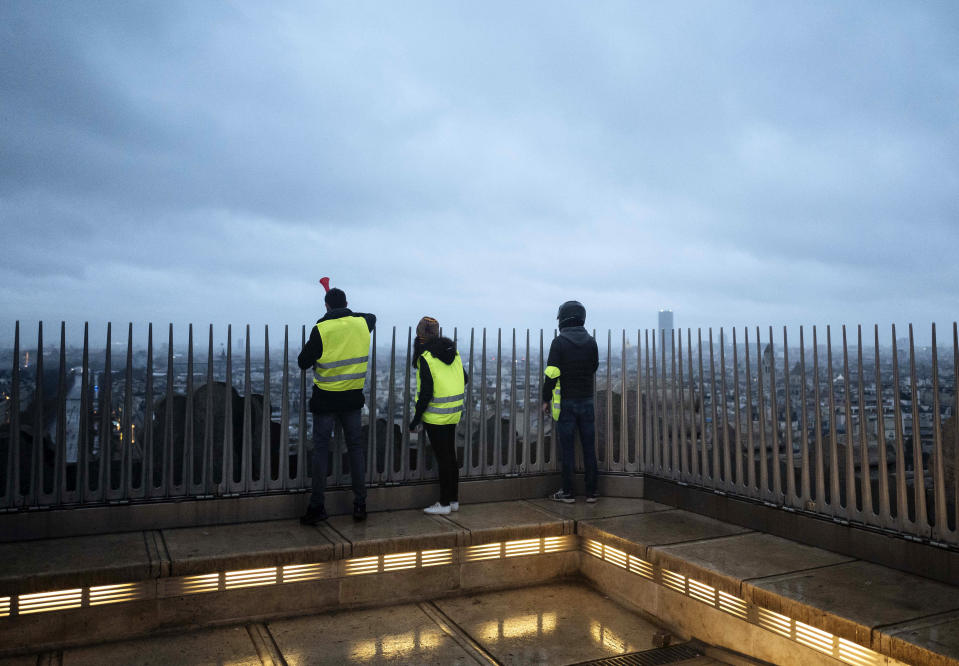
point(550, 624)
point(564, 623)
point(394, 646)
point(538, 624)
point(609, 639)
point(395, 635)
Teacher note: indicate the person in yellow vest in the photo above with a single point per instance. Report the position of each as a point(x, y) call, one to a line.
point(338, 352)
point(440, 396)
point(568, 395)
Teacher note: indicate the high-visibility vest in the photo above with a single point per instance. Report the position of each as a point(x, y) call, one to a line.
point(552, 372)
point(449, 390)
point(346, 352)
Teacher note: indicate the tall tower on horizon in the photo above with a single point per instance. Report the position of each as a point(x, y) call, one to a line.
point(664, 331)
point(665, 322)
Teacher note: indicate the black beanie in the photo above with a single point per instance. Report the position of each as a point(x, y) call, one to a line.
point(335, 298)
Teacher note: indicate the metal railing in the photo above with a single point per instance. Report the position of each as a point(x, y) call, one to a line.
point(859, 439)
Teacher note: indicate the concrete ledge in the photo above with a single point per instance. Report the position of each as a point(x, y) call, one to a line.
point(637, 533)
point(932, 640)
point(858, 541)
point(506, 521)
point(198, 550)
point(25, 525)
point(852, 599)
point(607, 507)
point(51, 564)
point(726, 563)
point(395, 532)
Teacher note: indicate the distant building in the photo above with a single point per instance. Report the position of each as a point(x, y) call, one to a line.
point(664, 334)
point(665, 322)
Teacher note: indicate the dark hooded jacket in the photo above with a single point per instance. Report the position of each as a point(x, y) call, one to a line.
point(575, 353)
point(331, 401)
point(441, 348)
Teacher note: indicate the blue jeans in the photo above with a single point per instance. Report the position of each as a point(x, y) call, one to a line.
point(323, 425)
point(577, 413)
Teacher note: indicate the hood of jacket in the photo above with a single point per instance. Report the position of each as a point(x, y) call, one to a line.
point(578, 335)
point(442, 348)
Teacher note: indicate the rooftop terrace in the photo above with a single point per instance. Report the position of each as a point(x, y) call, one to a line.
point(781, 508)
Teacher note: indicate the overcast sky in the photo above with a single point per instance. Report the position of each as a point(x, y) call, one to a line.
point(742, 163)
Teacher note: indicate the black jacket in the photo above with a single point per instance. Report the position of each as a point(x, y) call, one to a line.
point(444, 350)
point(575, 353)
point(331, 401)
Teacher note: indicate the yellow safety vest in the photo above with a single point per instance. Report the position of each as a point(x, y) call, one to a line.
point(449, 390)
point(553, 372)
point(346, 352)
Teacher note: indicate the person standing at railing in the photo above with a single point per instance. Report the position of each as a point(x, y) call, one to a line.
point(440, 394)
point(568, 391)
point(338, 351)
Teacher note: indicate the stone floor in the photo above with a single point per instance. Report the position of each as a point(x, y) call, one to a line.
point(554, 624)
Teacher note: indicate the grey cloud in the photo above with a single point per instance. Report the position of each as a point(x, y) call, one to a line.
point(736, 160)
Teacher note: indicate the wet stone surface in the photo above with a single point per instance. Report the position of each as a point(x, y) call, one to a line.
point(33, 566)
point(555, 624)
point(726, 561)
point(550, 624)
point(502, 521)
point(245, 545)
point(231, 645)
point(924, 640)
point(394, 635)
point(606, 507)
point(395, 531)
point(638, 532)
point(852, 598)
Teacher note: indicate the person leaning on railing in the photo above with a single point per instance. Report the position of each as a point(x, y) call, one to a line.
point(338, 351)
point(440, 393)
point(568, 393)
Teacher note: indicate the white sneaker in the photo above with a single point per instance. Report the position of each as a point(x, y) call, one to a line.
point(437, 509)
point(454, 506)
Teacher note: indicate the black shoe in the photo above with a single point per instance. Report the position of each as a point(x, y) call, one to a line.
point(563, 496)
point(359, 512)
point(313, 516)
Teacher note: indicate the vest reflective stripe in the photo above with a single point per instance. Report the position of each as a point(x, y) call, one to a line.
point(451, 398)
point(552, 372)
point(557, 401)
point(339, 378)
point(346, 349)
point(449, 390)
point(443, 410)
point(340, 364)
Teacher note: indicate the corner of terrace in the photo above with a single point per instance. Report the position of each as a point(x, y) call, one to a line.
point(764, 497)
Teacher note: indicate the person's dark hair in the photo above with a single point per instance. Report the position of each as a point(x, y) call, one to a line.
point(335, 298)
